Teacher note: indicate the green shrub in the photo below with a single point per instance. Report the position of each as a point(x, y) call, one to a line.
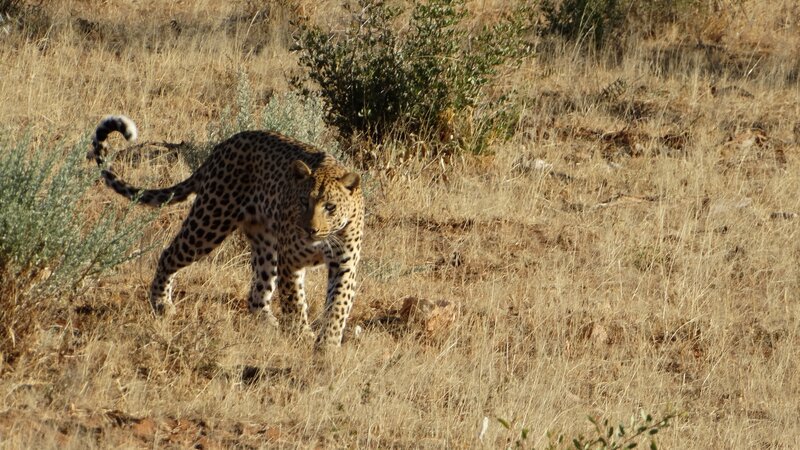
point(377, 81)
point(31, 20)
point(50, 242)
point(649, 17)
point(9, 8)
point(598, 21)
point(604, 436)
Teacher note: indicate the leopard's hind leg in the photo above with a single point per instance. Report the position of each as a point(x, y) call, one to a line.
point(202, 231)
point(264, 261)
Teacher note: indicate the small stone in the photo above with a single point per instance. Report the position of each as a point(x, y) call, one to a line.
point(431, 318)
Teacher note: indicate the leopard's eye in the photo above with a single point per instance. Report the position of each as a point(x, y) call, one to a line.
point(330, 207)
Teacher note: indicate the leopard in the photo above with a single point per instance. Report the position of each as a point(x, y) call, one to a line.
point(297, 205)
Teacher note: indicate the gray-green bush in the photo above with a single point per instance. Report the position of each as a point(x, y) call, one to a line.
point(299, 117)
point(291, 114)
point(50, 242)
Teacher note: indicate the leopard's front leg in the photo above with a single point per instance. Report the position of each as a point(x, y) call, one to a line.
point(342, 263)
point(293, 301)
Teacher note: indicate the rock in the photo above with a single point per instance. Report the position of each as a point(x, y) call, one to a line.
point(430, 318)
point(144, 429)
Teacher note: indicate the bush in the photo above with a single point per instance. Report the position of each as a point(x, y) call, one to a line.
point(604, 435)
point(31, 20)
point(49, 242)
point(650, 17)
point(10, 9)
point(299, 117)
point(378, 82)
point(233, 119)
point(598, 21)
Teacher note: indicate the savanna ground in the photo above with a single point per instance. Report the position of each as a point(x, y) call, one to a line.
point(633, 247)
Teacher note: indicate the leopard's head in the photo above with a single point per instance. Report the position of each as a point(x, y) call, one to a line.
point(329, 199)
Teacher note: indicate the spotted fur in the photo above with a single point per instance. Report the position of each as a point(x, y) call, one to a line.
point(297, 206)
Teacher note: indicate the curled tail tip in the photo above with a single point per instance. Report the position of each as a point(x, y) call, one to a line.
point(116, 122)
point(108, 125)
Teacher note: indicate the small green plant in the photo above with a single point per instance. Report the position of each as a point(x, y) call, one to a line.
point(598, 21)
point(299, 117)
point(379, 82)
point(291, 114)
point(651, 16)
point(519, 442)
point(50, 242)
point(236, 118)
point(605, 436)
point(32, 20)
point(10, 7)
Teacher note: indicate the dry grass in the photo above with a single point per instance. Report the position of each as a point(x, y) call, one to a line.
point(651, 265)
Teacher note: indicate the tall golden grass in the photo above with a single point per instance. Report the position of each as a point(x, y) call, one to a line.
point(632, 248)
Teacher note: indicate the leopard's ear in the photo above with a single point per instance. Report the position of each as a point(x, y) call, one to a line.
point(351, 181)
point(301, 169)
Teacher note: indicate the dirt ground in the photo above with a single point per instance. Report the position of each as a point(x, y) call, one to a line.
point(634, 247)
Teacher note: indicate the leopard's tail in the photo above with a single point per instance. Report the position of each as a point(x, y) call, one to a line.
point(108, 125)
point(151, 197)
